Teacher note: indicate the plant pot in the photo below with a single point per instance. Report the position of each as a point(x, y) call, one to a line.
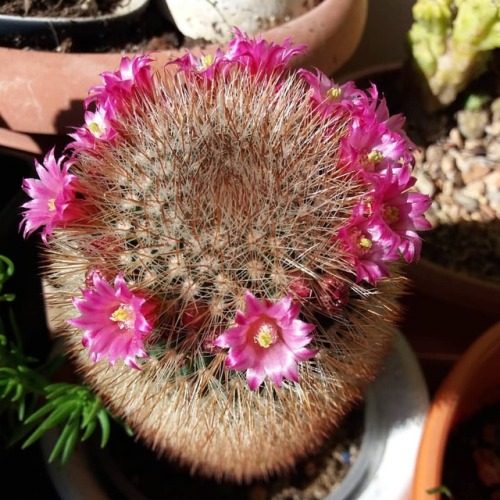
point(125, 12)
point(28, 306)
point(473, 383)
point(42, 92)
point(198, 19)
point(394, 411)
point(456, 287)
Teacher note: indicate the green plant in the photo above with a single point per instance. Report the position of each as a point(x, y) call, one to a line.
point(443, 490)
point(452, 42)
point(27, 395)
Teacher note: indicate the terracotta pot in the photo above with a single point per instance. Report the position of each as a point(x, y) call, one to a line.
point(455, 287)
point(473, 383)
point(42, 92)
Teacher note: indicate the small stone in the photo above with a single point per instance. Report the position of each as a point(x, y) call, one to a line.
point(456, 177)
point(492, 182)
point(418, 154)
point(448, 164)
point(493, 129)
point(487, 212)
point(448, 188)
point(475, 216)
point(493, 198)
point(472, 123)
point(449, 213)
point(475, 147)
point(474, 168)
point(495, 109)
point(434, 153)
point(455, 138)
point(475, 189)
point(469, 203)
point(432, 218)
point(424, 184)
point(493, 150)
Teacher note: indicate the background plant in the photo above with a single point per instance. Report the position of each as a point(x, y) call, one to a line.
point(452, 42)
point(27, 396)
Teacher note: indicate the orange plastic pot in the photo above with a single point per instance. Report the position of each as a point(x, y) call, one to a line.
point(472, 383)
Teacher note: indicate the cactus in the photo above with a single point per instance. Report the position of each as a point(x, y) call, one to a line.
point(451, 42)
point(224, 245)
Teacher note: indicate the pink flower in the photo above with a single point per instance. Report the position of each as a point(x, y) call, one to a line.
point(370, 147)
point(370, 245)
point(402, 210)
point(134, 74)
point(98, 127)
point(208, 66)
point(268, 341)
point(115, 321)
point(259, 56)
point(327, 94)
point(54, 202)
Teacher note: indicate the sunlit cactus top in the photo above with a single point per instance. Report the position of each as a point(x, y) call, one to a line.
point(224, 239)
point(238, 193)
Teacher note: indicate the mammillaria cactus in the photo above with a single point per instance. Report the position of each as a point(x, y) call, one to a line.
point(225, 246)
point(451, 42)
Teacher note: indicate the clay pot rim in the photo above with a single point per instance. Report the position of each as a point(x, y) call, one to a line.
point(444, 412)
point(455, 287)
point(125, 10)
point(39, 89)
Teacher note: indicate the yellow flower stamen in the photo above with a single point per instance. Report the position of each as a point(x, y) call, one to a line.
point(95, 129)
point(365, 242)
point(391, 214)
point(124, 316)
point(51, 204)
point(266, 336)
point(334, 93)
point(375, 156)
point(207, 60)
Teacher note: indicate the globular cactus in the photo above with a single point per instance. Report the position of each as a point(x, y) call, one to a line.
point(224, 245)
point(451, 42)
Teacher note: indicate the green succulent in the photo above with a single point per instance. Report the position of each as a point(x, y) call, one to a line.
point(28, 398)
point(452, 41)
point(76, 410)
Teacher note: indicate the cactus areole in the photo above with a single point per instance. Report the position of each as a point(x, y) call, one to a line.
point(225, 246)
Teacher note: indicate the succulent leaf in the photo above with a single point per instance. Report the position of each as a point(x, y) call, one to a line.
point(451, 42)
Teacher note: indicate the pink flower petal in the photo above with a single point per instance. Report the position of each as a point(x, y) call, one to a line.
point(269, 341)
point(115, 321)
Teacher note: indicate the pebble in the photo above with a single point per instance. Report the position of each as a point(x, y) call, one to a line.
point(424, 183)
point(455, 138)
point(461, 172)
point(470, 204)
point(495, 109)
point(493, 150)
point(472, 123)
